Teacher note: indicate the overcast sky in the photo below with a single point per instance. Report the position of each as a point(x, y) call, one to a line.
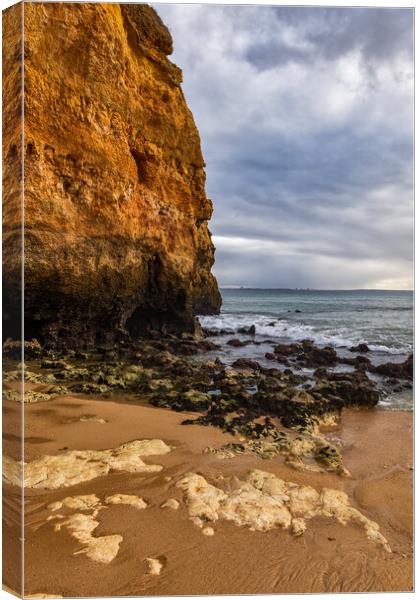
point(305, 117)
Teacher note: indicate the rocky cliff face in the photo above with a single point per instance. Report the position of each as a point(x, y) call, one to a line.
point(116, 237)
point(12, 170)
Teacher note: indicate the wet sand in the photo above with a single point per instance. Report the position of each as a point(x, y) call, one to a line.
point(328, 557)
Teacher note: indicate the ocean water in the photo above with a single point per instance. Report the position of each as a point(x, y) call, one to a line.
point(381, 319)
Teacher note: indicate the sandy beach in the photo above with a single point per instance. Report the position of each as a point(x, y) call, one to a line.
point(328, 557)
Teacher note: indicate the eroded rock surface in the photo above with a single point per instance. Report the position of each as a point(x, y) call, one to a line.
point(28, 396)
point(263, 501)
point(88, 502)
point(116, 237)
point(128, 499)
point(99, 549)
point(76, 466)
point(154, 566)
point(171, 503)
point(295, 449)
point(81, 526)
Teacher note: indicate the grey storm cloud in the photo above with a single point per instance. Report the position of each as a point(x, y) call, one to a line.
point(306, 121)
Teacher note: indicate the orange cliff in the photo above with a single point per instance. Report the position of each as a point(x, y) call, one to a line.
point(116, 236)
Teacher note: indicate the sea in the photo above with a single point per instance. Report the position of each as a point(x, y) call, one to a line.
point(382, 319)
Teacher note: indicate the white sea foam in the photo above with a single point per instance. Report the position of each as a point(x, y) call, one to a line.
point(271, 327)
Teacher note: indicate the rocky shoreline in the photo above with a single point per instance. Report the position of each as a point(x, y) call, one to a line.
point(272, 411)
point(164, 425)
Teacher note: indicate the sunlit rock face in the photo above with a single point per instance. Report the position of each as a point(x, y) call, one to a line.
point(116, 237)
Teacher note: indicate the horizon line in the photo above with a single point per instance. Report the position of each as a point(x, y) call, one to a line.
point(304, 289)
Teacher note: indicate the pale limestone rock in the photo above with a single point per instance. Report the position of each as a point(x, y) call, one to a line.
point(101, 549)
point(264, 501)
point(88, 502)
point(251, 507)
point(129, 499)
point(12, 471)
point(209, 531)
point(76, 466)
point(154, 566)
point(303, 501)
point(171, 503)
point(335, 503)
point(81, 526)
point(204, 500)
point(298, 526)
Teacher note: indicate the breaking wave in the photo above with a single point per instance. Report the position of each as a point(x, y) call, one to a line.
point(270, 327)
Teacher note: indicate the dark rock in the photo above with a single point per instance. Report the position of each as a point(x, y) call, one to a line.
point(194, 400)
point(354, 389)
point(313, 356)
point(237, 343)
point(307, 345)
point(357, 395)
point(360, 362)
point(72, 374)
point(247, 330)
point(190, 400)
point(397, 370)
point(209, 332)
point(55, 364)
point(245, 363)
point(321, 373)
point(307, 354)
point(90, 388)
point(287, 349)
point(360, 348)
point(13, 349)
